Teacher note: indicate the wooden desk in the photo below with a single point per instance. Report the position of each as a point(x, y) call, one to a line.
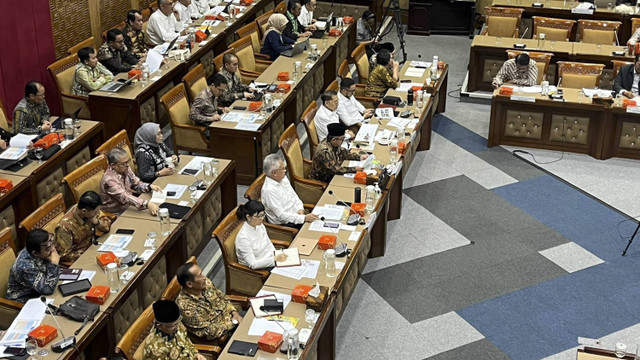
point(249, 148)
point(36, 183)
point(488, 53)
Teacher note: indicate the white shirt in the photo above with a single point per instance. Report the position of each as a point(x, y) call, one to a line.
point(253, 247)
point(349, 110)
point(185, 14)
point(306, 16)
point(281, 202)
point(324, 117)
point(198, 8)
point(162, 29)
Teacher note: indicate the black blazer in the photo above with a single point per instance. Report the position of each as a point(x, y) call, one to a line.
point(624, 80)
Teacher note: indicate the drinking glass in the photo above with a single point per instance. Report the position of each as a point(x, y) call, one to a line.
point(325, 43)
point(123, 272)
point(598, 48)
point(165, 224)
point(310, 317)
point(609, 6)
point(43, 352)
point(580, 96)
point(194, 196)
point(207, 169)
point(552, 44)
point(76, 127)
point(39, 152)
point(498, 40)
point(151, 238)
point(32, 347)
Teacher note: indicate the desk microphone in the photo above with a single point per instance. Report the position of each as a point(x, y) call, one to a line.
point(66, 342)
point(616, 32)
point(559, 81)
point(524, 33)
point(342, 249)
point(354, 217)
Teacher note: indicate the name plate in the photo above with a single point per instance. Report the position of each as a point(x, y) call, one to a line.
point(519, 46)
point(633, 109)
point(582, 11)
point(523, 98)
point(537, 5)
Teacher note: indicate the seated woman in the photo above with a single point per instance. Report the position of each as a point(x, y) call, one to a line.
point(151, 153)
point(253, 246)
point(383, 77)
point(274, 42)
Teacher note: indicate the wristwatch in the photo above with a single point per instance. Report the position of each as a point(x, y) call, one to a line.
point(234, 322)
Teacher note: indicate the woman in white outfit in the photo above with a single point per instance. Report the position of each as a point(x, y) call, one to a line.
point(253, 246)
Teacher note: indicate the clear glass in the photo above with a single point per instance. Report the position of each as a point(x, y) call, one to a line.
point(151, 240)
point(194, 198)
point(163, 217)
point(325, 43)
point(609, 6)
point(310, 317)
point(113, 278)
point(498, 40)
point(207, 169)
point(293, 349)
point(552, 44)
point(76, 127)
point(580, 96)
point(32, 348)
point(420, 99)
point(123, 273)
point(43, 352)
point(68, 130)
point(330, 262)
point(370, 199)
point(39, 152)
point(598, 47)
point(393, 151)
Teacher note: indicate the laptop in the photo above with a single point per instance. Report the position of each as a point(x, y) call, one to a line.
point(297, 49)
point(115, 86)
point(317, 34)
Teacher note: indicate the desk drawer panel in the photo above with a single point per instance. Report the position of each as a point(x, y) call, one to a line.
point(572, 129)
point(148, 111)
point(154, 283)
point(212, 211)
point(277, 128)
point(126, 314)
point(194, 231)
point(629, 135)
point(49, 186)
point(523, 124)
point(207, 63)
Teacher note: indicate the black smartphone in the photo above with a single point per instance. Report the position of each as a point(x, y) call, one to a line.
point(190, 171)
point(121, 80)
point(171, 193)
point(405, 81)
point(15, 351)
point(239, 108)
point(125, 231)
point(272, 88)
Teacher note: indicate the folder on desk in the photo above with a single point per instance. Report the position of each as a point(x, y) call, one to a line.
point(305, 246)
point(243, 348)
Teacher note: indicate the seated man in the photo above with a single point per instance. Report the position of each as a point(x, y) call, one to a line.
point(75, 232)
point(306, 12)
point(164, 24)
point(383, 77)
point(349, 110)
point(31, 115)
point(199, 7)
point(115, 55)
point(168, 338)
point(235, 88)
point(519, 71)
point(90, 74)
point(186, 16)
point(206, 108)
point(36, 269)
point(329, 156)
point(133, 34)
point(281, 203)
point(205, 311)
point(626, 82)
point(119, 182)
point(326, 113)
point(294, 29)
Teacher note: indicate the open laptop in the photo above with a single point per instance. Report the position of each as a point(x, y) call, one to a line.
point(115, 86)
point(317, 34)
point(297, 49)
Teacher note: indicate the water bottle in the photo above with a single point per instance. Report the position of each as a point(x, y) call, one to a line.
point(296, 70)
point(293, 345)
point(420, 99)
point(410, 97)
point(68, 129)
point(112, 278)
point(268, 104)
point(330, 262)
point(393, 151)
point(377, 191)
point(163, 217)
point(370, 199)
point(434, 69)
point(145, 74)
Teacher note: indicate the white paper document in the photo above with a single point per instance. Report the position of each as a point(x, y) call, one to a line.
point(312, 267)
point(177, 188)
point(247, 126)
point(195, 164)
point(422, 64)
point(154, 60)
point(21, 140)
point(158, 197)
point(115, 243)
point(14, 153)
point(355, 236)
point(239, 117)
point(367, 133)
point(384, 113)
point(261, 325)
point(399, 122)
point(28, 319)
point(601, 93)
point(285, 298)
point(324, 226)
point(330, 212)
point(407, 86)
point(294, 272)
point(414, 72)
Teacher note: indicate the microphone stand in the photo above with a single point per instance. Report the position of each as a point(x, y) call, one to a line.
point(397, 19)
point(66, 342)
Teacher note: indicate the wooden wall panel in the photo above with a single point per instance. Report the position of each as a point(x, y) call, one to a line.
point(144, 4)
point(70, 22)
point(113, 12)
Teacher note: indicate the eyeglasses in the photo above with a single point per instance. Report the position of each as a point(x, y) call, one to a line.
point(48, 244)
point(125, 164)
point(259, 216)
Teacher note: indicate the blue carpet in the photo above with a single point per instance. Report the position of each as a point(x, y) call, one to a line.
point(458, 134)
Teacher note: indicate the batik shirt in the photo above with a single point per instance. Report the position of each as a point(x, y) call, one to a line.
point(115, 60)
point(134, 40)
point(31, 277)
point(380, 80)
point(509, 73)
point(204, 107)
point(235, 88)
point(328, 160)
point(74, 234)
point(159, 346)
point(29, 116)
point(208, 316)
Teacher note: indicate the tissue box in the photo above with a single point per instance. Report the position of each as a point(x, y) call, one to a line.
point(283, 76)
point(317, 302)
point(416, 88)
point(270, 342)
point(134, 73)
point(43, 334)
point(283, 88)
point(628, 102)
point(300, 292)
point(402, 147)
point(360, 178)
point(440, 65)
point(6, 185)
point(335, 32)
point(200, 36)
point(327, 242)
point(98, 294)
point(505, 90)
point(347, 20)
point(359, 208)
point(106, 258)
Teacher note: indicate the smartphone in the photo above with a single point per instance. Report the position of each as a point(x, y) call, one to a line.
point(272, 88)
point(405, 81)
point(15, 351)
point(239, 108)
point(190, 171)
point(171, 193)
point(125, 231)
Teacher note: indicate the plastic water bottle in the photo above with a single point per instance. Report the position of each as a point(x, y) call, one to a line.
point(420, 99)
point(393, 151)
point(293, 345)
point(145, 74)
point(112, 278)
point(296, 70)
point(370, 199)
point(434, 69)
point(163, 217)
point(330, 262)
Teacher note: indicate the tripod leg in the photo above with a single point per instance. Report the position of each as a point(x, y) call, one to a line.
point(631, 240)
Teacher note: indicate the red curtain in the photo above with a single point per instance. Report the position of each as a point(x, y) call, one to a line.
point(26, 49)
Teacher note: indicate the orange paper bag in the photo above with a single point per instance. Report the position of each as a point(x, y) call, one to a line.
point(43, 334)
point(270, 342)
point(106, 258)
point(283, 76)
point(98, 294)
point(300, 292)
point(327, 242)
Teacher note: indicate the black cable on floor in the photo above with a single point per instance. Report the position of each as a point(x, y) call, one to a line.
point(514, 152)
point(452, 91)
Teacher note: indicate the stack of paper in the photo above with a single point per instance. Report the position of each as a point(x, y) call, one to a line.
point(28, 319)
point(414, 72)
point(422, 64)
point(238, 117)
point(367, 132)
point(329, 212)
point(195, 165)
point(115, 243)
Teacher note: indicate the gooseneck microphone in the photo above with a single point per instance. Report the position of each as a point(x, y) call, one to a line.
point(66, 342)
point(342, 249)
point(354, 217)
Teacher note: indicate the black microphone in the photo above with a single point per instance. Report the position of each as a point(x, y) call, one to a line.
point(66, 342)
point(354, 218)
point(342, 249)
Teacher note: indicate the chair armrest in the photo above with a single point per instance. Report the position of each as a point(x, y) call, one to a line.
point(314, 183)
point(75, 97)
point(263, 274)
point(209, 349)
point(249, 72)
point(199, 129)
point(308, 207)
point(280, 243)
point(10, 304)
point(280, 233)
point(238, 299)
point(368, 100)
point(259, 56)
point(262, 65)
